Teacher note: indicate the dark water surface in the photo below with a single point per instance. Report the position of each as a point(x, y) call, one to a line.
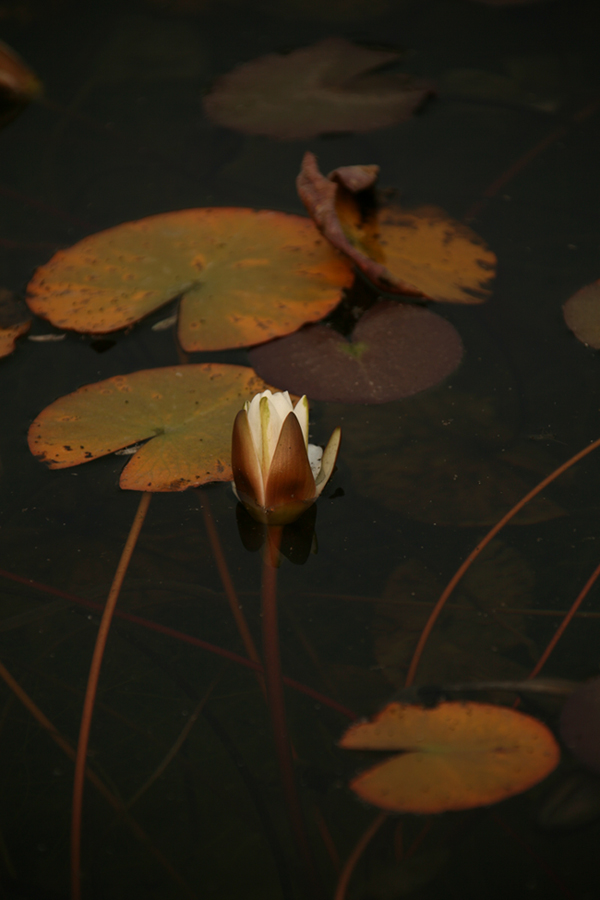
point(120, 135)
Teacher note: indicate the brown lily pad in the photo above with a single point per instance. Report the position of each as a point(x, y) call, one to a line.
point(395, 350)
point(333, 85)
point(245, 276)
point(582, 315)
point(14, 321)
point(454, 756)
point(186, 411)
point(421, 252)
point(580, 724)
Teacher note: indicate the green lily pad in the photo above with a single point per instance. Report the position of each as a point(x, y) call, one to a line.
point(245, 276)
point(187, 411)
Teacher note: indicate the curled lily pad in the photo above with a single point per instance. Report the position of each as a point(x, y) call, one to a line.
point(580, 724)
point(186, 411)
point(420, 252)
point(14, 321)
point(454, 756)
point(395, 350)
point(245, 276)
point(582, 315)
point(330, 86)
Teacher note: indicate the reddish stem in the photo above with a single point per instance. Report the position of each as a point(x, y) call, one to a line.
point(350, 864)
point(276, 700)
point(90, 694)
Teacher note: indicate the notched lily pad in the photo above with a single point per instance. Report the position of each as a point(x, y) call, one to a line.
point(420, 252)
point(331, 86)
point(455, 756)
point(14, 321)
point(582, 315)
point(245, 276)
point(396, 349)
point(187, 411)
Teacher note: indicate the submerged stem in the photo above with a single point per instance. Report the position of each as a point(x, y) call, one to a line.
point(90, 694)
point(275, 696)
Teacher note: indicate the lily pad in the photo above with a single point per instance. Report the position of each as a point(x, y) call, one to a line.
point(14, 321)
point(420, 252)
point(582, 315)
point(18, 84)
point(187, 411)
point(454, 756)
point(331, 86)
point(245, 276)
point(396, 350)
point(580, 724)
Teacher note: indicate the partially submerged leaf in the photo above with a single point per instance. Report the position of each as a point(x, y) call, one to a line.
point(580, 724)
point(327, 87)
point(421, 252)
point(582, 315)
point(396, 350)
point(454, 756)
point(14, 321)
point(187, 411)
point(18, 84)
point(245, 276)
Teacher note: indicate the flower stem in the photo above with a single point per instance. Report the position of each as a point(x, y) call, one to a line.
point(90, 693)
point(275, 696)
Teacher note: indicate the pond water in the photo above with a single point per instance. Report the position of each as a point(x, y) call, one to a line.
point(511, 142)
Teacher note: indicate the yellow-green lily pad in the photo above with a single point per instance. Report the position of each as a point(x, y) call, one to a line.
point(187, 411)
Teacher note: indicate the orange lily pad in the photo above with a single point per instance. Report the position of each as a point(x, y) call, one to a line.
point(454, 756)
point(187, 411)
point(245, 276)
point(331, 86)
point(420, 252)
point(14, 321)
point(582, 315)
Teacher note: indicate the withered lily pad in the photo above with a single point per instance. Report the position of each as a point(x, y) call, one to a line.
point(396, 350)
point(18, 84)
point(580, 724)
point(455, 756)
point(245, 276)
point(187, 411)
point(582, 315)
point(14, 321)
point(330, 86)
point(420, 252)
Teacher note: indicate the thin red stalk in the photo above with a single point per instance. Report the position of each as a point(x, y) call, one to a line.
point(234, 604)
point(276, 701)
point(66, 747)
point(350, 864)
point(410, 677)
point(561, 628)
point(90, 694)
point(185, 638)
point(419, 838)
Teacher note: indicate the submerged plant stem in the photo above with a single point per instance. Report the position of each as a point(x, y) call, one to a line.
point(90, 694)
point(276, 701)
point(350, 864)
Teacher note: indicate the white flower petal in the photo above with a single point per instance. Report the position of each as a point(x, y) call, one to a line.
point(301, 411)
point(315, 455)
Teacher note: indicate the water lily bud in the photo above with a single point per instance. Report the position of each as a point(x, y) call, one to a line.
point(277, 473)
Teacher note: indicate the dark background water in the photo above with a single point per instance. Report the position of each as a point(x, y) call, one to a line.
point(120, 134)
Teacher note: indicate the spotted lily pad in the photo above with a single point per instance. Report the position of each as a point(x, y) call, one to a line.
point(582, 315)
point(396, 350)
point(187, 411)
point(454, 756)
point(420, 252)
point(245, 276)
point(330, 86)
point(14, 321)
